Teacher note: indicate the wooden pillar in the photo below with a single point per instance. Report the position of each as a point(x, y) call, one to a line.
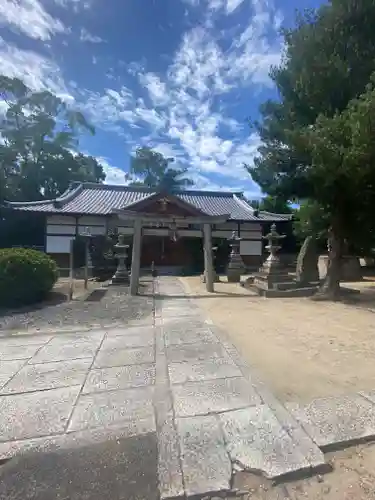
point(136, 257)
point(208, 261)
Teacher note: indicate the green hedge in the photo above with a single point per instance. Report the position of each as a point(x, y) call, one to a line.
point(26, 276)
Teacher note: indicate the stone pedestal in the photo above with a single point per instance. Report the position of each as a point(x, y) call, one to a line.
point(235, 268)
point(273, 279)
point(121, 276)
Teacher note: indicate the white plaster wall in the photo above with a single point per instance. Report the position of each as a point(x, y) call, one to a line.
point(91, 220)
point(254, 235)
point(227, 225)
point(58, 244)
point(60, 229)
point(250, 247)
point(251, 226)
point(61, 219)
point(93, 230)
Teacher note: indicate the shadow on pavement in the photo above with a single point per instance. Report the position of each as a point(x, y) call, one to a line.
point(113, 470)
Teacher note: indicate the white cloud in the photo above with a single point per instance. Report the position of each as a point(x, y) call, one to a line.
point(86, 36)
point(231, 5)
point(75, 5)
point(179, 114)
point(156, 88)
point(36, 71)
point(29, 17)
point(114, 175)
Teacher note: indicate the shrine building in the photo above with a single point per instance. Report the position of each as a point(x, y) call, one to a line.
point(172, 222)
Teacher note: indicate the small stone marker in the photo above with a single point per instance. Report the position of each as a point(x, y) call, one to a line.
point(307, 262)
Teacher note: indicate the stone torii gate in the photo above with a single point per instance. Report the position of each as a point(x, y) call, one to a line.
point(140, 219)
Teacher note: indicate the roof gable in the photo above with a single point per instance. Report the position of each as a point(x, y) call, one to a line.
point(164, 204)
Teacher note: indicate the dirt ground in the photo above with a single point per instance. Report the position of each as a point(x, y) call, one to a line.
point(300, 348)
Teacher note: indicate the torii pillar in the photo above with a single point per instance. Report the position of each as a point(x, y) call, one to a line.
point(136, 257)
point(208, 260)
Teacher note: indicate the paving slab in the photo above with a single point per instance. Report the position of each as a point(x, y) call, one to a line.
point(64, 351)
point(205, 462)
point(78, 439)
point(180, 312)
point(137, 330)
point(142, 339)
point(95, 337)
point(10, 352)
point(121, 357)
point(182, 372)
point(119, 377)
point(17, 340)
point(113, 407)
point(256, 441)
point(213, 396)
point(48, 376)
point(169, 467)
point(336, 420)
point(187, 334)
point(195, 352)
point(8, 369)
point(36, 413)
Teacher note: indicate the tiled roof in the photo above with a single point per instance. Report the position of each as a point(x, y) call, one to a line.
point(103, 199)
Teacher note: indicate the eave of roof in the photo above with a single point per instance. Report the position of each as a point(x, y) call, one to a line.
point(103, 199)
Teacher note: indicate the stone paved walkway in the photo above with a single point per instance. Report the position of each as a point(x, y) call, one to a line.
point(172, 374)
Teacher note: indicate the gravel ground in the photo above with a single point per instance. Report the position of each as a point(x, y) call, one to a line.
point(116, 306)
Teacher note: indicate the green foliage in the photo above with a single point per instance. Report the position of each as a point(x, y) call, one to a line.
point(39, 132)
point(317, 140)
point(26, 276)
point(274, 204)
point(155, 171)
point(310, 219)
point(329, 58)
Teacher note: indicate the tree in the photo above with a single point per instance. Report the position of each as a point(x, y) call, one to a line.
point(155, 171)
point(316, 138)
point(310, 219)
point(274, 204)
point(39, 132)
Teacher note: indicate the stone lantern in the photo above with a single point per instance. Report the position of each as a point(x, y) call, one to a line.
point(273, 260)
point(121, 276)
point(235, 265)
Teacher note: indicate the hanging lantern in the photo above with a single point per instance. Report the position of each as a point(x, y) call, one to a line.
point(173, 233)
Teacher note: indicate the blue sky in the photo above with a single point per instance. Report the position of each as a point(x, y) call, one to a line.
point(181, 76)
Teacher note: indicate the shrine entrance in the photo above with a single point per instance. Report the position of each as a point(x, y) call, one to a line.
point(162, 251)
point(173, 215)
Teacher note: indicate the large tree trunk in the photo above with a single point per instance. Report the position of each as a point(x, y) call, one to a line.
point(330, 287)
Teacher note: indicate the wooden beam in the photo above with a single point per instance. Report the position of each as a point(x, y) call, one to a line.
point(127, 215)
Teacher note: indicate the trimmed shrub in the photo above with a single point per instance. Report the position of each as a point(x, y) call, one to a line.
point(26, 276)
